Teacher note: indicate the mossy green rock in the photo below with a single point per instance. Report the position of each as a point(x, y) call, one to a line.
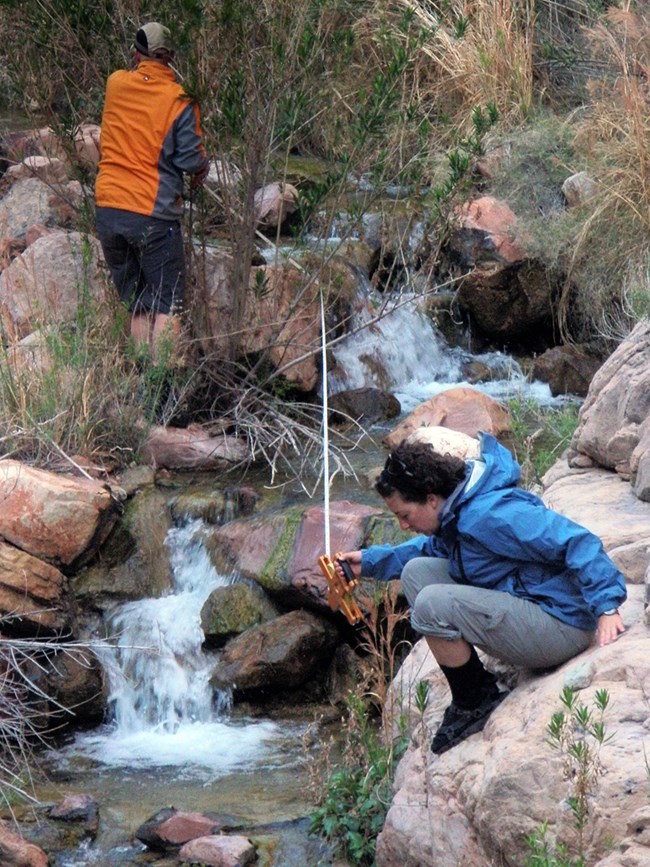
point(133, 563)
point(231, 610)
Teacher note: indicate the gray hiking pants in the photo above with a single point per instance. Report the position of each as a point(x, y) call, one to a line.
point(512, 629)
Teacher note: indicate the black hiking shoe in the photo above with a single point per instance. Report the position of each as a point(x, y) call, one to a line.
point(459, 723)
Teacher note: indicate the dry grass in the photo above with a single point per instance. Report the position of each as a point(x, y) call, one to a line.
point(614, 133)
point(472, 54)
point(28, 714)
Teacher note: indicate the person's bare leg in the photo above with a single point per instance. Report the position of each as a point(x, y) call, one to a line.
point(452, 654)
point(141, 326)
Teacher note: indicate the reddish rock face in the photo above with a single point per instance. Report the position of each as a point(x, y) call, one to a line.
point(219, 851)
point(35, 592)
point(461, 409)
point(191, 448)
point(56, 518)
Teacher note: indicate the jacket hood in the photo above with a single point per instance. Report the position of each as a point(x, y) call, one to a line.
point(494, 470)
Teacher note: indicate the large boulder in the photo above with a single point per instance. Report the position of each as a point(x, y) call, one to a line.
point(191, 448)
point(462, 409)
point(282, 654)
point(615, 415)
point(604, 503)
point(50, 281)
point(478, 802)
point(280, 551)
point(30, 201)
point(508, 296)
point(56, 518)
point(231, 610)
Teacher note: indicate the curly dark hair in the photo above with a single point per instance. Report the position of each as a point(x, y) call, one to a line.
point(416, 469)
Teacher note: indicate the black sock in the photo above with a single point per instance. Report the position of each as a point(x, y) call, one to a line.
point(468, 682)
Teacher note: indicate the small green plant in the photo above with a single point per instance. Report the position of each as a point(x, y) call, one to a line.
point(578, 733)
point(539, 435)
point(357, 794)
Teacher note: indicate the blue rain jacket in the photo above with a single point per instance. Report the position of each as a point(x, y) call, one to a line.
point(500, 537)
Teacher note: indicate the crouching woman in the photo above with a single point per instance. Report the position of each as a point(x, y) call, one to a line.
point(492, 568)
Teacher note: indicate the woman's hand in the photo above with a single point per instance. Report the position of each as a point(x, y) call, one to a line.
point(609, 627)
point(353, 559)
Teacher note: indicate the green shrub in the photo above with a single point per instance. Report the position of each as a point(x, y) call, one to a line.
point(358, 793)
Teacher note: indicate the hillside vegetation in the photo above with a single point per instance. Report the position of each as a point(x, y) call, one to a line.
point(409, 93)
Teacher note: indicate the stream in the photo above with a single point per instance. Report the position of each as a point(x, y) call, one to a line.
point(169, 741)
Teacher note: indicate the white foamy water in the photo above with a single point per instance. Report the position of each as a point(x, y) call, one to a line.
point(404, 353)
point(216, 747)
point(400, 347)
point(164, 710)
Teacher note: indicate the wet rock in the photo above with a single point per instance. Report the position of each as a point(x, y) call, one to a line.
point(510, 305)
point(231, 610)
point(218, 851)
point(74, 680)
point(281, 654)
point(213, 505)
point(280, 551)
point(566, 369)
point(461, 409)
point(257, 548)
point(348, 523)
point(56, 518)
point(80, 809)
point(134, 561)
point(476, 371)
point(363, 405)
point(169, 828)
point(16, 852)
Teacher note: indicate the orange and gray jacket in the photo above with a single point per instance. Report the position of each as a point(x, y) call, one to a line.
point(150, 135)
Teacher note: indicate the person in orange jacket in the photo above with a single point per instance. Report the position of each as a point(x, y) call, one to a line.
point(150, 136)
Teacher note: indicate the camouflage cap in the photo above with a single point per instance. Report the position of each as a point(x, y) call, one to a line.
point(153, 39)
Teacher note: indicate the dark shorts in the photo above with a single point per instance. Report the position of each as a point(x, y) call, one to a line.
point(145, 257)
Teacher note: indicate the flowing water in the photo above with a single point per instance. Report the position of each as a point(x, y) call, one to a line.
point(169, 741)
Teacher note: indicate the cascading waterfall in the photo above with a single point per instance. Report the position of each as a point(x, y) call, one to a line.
point(164, 711)
point(401, 351)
